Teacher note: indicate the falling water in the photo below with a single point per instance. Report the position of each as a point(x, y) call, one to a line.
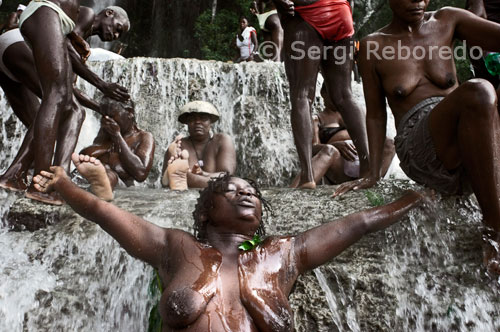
point(422, 274)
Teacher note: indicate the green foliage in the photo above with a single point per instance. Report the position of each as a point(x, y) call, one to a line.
point(155, 290)
point(216, 36)
point(374, 198)
point(250, 244)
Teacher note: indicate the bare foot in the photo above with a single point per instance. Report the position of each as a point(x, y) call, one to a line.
point(491, 253)
point(175, 148)
point(177, 171)
point(308, 185)
point(93, 170)
point(295, 182)
point(13, 184)
point(52, 198)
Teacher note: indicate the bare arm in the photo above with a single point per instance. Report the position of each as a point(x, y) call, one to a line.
point(138, 237)
point(85, 100)
point(315, 123)
point(475, 30)
point(225, 162)
point(111, 90)
point(137, 163)
point(476, 7)
point(376, 120)
point(319, 245)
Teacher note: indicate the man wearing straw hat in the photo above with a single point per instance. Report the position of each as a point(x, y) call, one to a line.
point(191, 161)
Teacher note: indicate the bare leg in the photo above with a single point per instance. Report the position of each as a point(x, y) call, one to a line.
point(337, 75)
point(326, 161)
point(24, 103)
point(273, 24)
point(389, 152)
point(67, 139)
point(465, 131)
point(94, 171)
point(43, 31)
point(302, 72)
point(15, 178)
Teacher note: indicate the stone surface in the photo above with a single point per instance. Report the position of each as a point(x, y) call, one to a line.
point(422, 274)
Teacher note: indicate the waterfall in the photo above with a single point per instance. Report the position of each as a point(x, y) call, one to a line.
point(422, 274)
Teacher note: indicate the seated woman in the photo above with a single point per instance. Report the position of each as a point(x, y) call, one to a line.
point(270, 25)
point(210, 284)
point(125, 150)
point(246, 42)
point(335, 159)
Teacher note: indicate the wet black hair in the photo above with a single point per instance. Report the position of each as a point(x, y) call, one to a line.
point(218, 185)
point(128, 106)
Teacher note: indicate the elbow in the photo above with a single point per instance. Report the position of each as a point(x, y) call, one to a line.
point(364, 226)
point(141, 176)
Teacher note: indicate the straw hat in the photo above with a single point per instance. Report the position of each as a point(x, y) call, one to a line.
point(198, 106)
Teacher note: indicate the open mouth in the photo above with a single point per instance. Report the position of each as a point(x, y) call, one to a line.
point(246, 202)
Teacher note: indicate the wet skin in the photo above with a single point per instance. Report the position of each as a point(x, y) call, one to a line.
point(211, 285)
point(302, 74)
point(464, 126)
point(218, 153)
point(329, 157)
point(23, 96)
point(126, 151)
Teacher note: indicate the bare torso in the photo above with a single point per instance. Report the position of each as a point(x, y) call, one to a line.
point(205, 291)
point(208, 153)
point(428, 77)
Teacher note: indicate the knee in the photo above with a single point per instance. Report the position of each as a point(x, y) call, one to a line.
point(341, 97)
point(329, 151)
point(481, 95)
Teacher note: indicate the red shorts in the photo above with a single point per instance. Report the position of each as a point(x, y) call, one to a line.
point(331, 18)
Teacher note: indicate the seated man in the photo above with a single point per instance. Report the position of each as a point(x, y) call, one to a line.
point(206, 155)
point(447, 134)
point(125, 150)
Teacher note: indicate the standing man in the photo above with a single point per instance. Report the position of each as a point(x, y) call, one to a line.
point(323, 26)
point(45, 25)
point(208, 155)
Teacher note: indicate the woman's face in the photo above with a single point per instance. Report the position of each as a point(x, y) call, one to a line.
point(237, 209)
point(199, 125)
point(243, 24)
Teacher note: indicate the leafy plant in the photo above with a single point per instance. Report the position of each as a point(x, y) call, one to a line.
point(155, 290)
point(374, 198)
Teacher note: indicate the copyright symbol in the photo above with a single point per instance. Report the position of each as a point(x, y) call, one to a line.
point(268, 50)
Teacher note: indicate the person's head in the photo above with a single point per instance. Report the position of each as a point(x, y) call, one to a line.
point(230, 204)
point(122, 112)
point(409, 11)
point(243, 23)
point(198, 116)
point(111, 23)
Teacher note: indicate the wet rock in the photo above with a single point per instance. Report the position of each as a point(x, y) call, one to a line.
point(423, 273)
